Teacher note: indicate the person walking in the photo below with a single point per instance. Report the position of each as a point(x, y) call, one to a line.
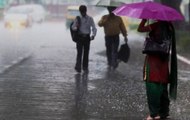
point(113, 26)
point(87, 32)
point(156, 69)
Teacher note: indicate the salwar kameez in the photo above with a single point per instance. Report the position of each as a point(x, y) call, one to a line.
point(156, 72)
point(156, 76)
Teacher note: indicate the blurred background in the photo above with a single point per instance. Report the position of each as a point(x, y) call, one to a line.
point(26, 19)
point(34, 35)
point(67, 9)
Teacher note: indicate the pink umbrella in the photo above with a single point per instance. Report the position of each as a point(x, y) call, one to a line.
point(148, 10)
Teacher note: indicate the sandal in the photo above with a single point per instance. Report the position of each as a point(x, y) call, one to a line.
point(153, 118)
point(166, 117)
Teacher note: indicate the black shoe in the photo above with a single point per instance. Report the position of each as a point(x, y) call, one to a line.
point(78, 69)
point(166, 117)
point(86, 70)
point(109, 68)
point(116, 65)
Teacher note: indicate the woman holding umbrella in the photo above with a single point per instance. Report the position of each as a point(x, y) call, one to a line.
point(156, 70)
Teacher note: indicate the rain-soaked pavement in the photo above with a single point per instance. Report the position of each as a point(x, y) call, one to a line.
point(45, 86)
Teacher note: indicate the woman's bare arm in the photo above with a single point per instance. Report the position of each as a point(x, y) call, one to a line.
point(142, 27)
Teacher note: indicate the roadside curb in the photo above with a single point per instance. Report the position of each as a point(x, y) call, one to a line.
point(15, 62)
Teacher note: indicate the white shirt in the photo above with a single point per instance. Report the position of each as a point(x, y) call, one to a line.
point(86, 25)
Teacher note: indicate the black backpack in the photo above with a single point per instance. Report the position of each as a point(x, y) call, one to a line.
point(74, 34)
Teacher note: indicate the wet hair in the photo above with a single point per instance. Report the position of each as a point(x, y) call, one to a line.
point(82, 8)
point(110, 8)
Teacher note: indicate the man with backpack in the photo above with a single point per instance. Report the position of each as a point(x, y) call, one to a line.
point(86, 32)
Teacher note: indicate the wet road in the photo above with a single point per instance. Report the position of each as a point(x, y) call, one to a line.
point(45, 86)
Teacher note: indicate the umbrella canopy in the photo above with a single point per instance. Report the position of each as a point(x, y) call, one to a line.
point(111, 3)
point(149, 10)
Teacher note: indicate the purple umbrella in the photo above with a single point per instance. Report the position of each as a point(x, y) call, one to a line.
point(148, 10)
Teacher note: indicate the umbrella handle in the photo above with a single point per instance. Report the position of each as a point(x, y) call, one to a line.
point(148, 21)
point(147, 33)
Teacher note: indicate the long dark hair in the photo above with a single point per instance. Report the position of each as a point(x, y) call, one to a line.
point(167, 29)
point(166, 32)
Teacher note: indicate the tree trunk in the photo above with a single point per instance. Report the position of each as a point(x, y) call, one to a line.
point(176, 5)
point(157, 1)
point(173, 3)
point(189, 12)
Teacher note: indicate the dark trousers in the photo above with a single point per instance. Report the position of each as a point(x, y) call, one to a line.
point(83, 47)
point(158, 101)
point(112, 44)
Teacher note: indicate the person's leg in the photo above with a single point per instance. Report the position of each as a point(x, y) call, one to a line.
point(115, 45)
point(108, 49)
point(86, 54)
point(153, 97)
point(79, 56)
point(164, 102)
